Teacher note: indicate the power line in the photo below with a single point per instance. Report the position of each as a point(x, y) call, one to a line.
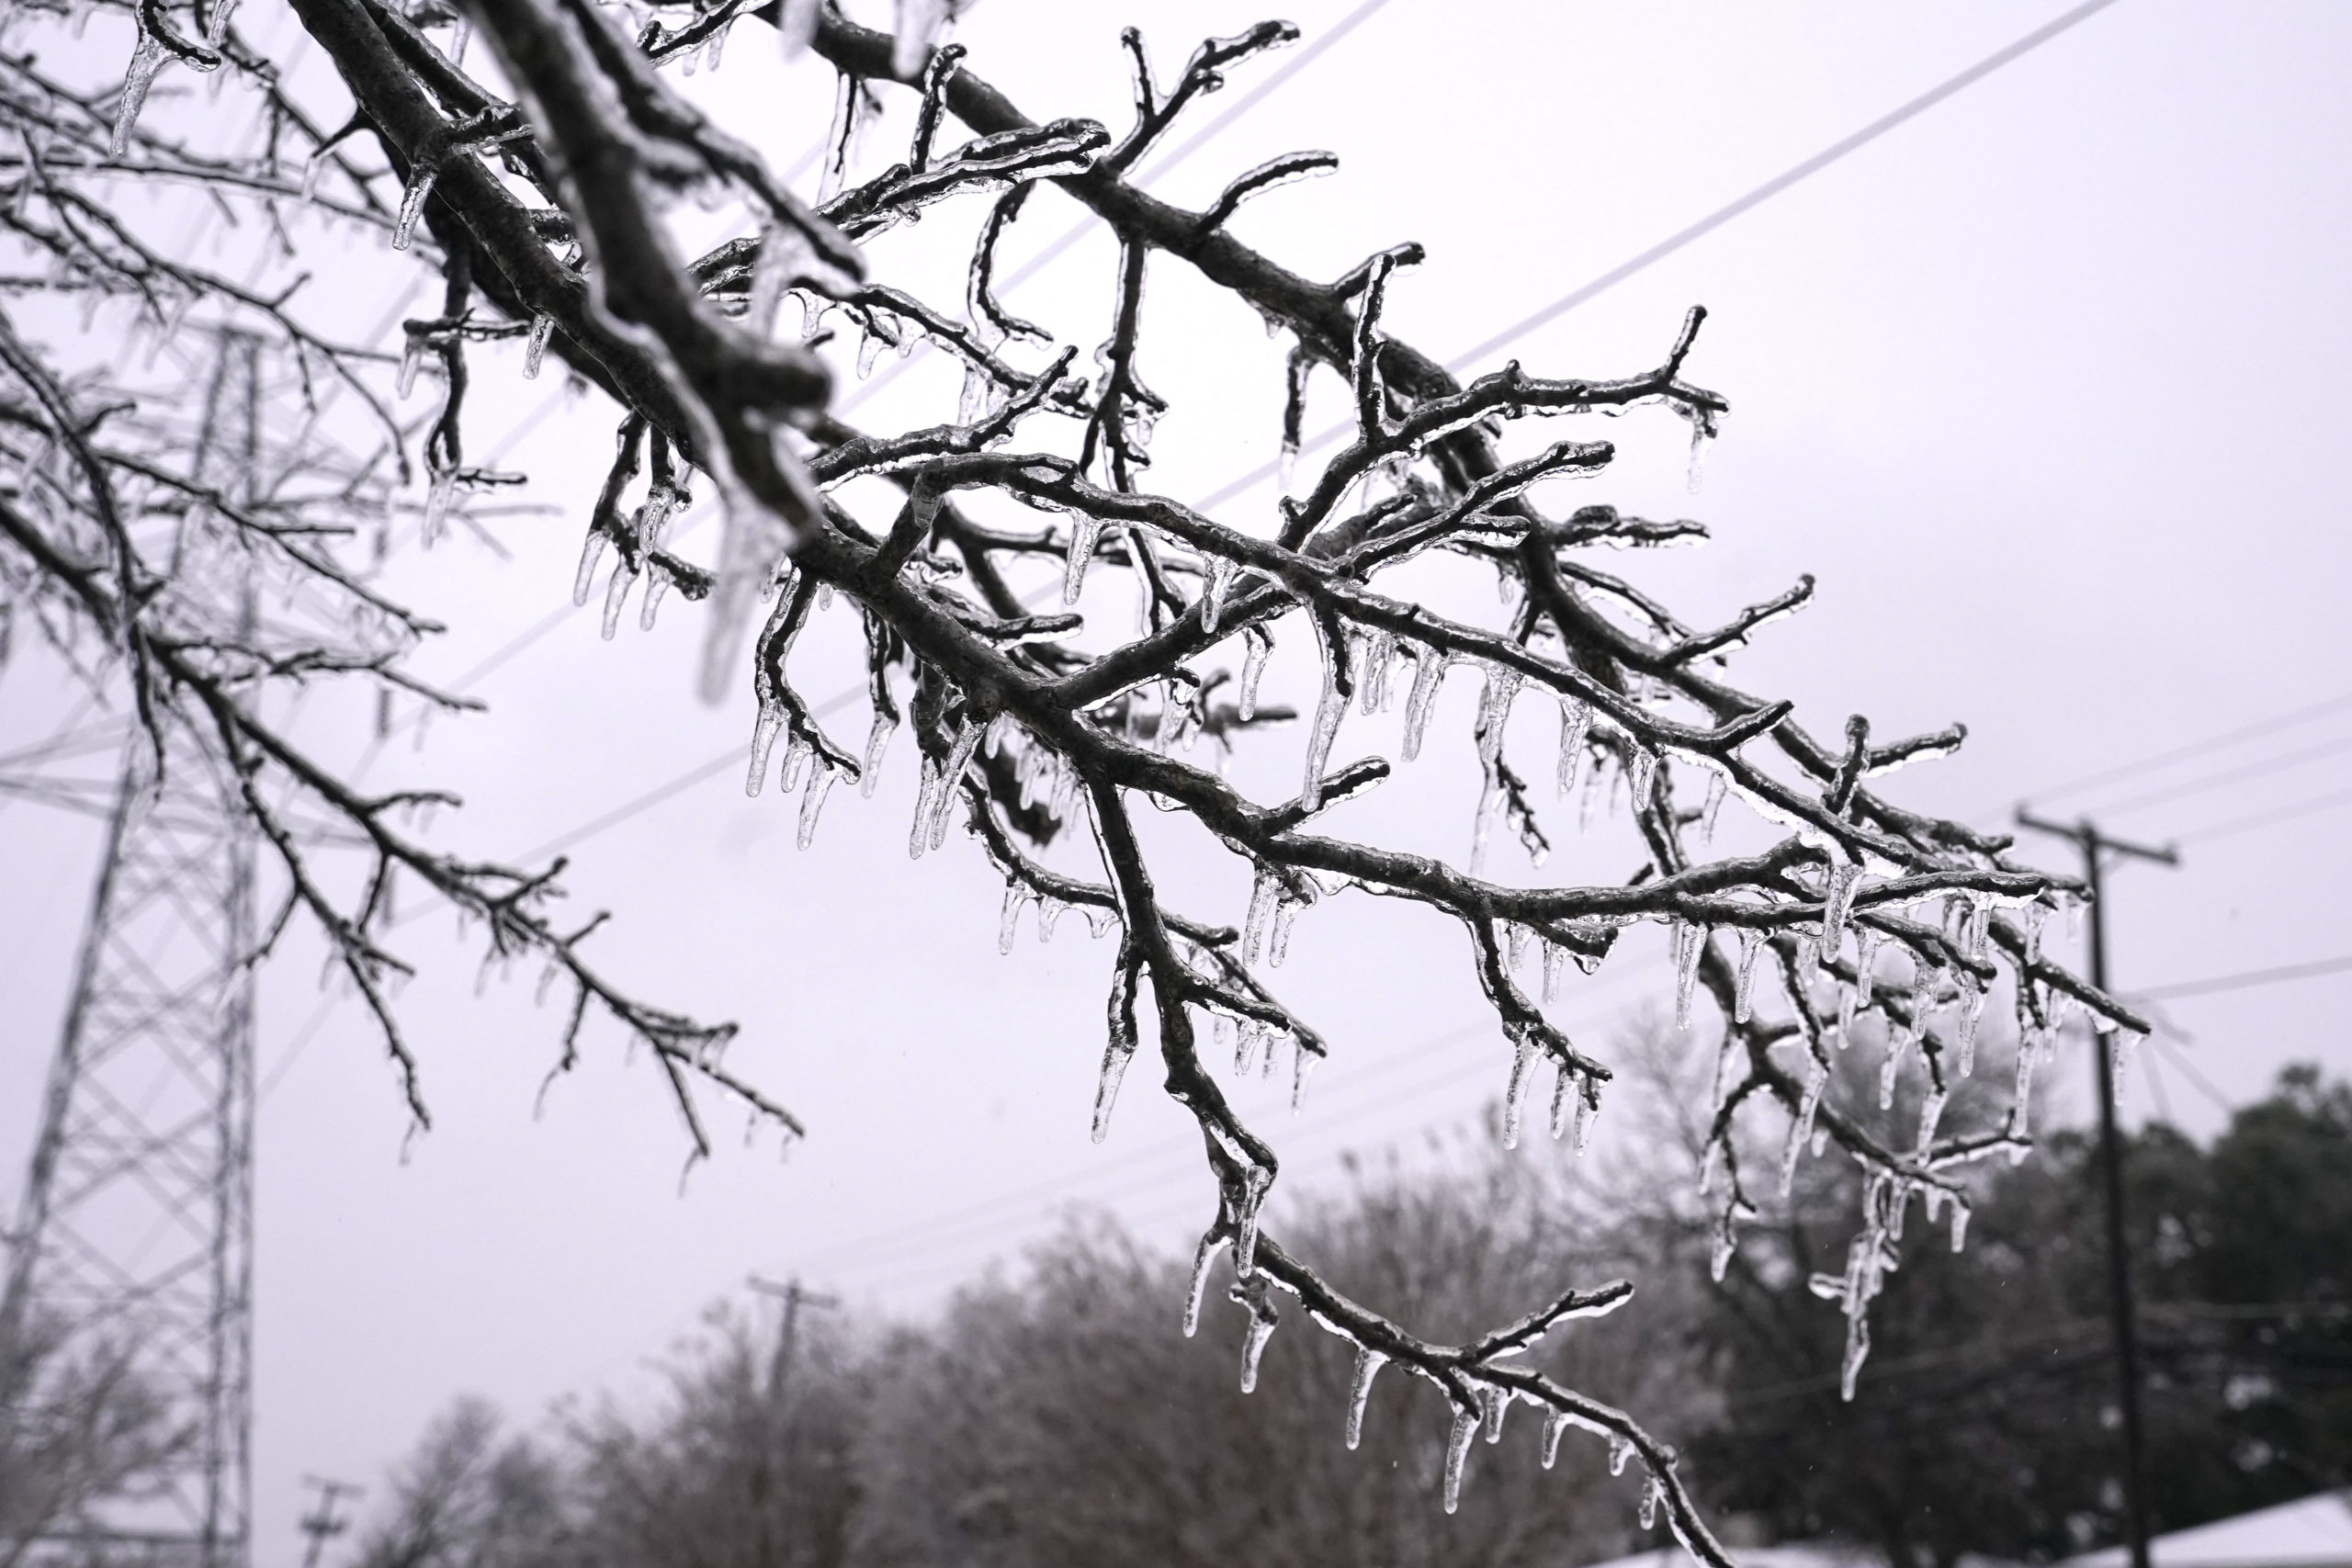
point(2246, 979)
point(2235, 826)
point(2228, 776)
point(1712, 221)
point(2199, 748)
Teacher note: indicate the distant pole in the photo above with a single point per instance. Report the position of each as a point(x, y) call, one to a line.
point(794, 1299)
point(323, 1523)
point(2095, 846)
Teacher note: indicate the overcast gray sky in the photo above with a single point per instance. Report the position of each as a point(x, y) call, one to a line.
point(2042, 385)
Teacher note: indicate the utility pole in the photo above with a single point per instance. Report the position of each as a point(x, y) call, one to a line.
point(323, 1523)
point(2095, 847)
point(794, 1299)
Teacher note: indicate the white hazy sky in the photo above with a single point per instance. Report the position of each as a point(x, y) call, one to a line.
point(2040, 386)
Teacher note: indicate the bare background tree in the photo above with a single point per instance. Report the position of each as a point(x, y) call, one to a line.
point(546, 193)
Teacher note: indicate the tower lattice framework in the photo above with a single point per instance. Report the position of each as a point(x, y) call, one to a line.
point(131, 1260)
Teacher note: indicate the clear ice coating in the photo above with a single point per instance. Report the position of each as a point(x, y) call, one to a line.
point(1457, 1452)
point(1368, 1363)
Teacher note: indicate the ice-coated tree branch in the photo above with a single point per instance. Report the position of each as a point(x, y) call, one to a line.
point(543, 193)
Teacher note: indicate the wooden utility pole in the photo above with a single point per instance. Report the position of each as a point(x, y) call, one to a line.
point(323, 1523)
point(794, 1298)
point(2095, 847)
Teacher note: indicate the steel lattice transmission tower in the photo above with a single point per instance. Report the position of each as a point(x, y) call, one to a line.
point(133, 1248)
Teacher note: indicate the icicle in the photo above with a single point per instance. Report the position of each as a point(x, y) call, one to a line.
point(1254, 1183)
point(795, 754)
point(1253, 1347)
point(1084, 531)
point(1329, 707)
point(878, 738)
point(1895, 1043)
point(1427, 675)
point(1689, 942)
point(657, 585)
point(919, 836)
point(2020, 1112)
point(1641, 773)
point(420, 185)
point(1255, 644)
point(1931, 1110)
point(1263, 895)
point(1515, 1096)
point(812, 801)
point(2121, 1044)
point(1554, 1423)
point(1751, 940)
point(1649, 1486)
point(1620, 1450)
point(1588, 1106)
point(1972, 1010)
point(1801, 1130)
point(1551, 953)
point(763, 733)
point(1717, 787)
point(1725, 1244)
point(590, 549)
point(967, 741)
point(1115, 1058)
point(1564, 1084)
point(916, 27)
point(1202, 1255)
point(1866, 945)
point(1368, 1363)
point(1302, 1062)
point(1278, 939)
point(1009, 922)
point(1837, 900)
point(798, 25)
point(146, 59)
point(313, 167)
point(411, 356)
point(534, 347)
point(1498, 1404)
point(615, 597)
point(1960, 1213)
point(1576, 723)
point(1220, 584)
point(438, 493)
point(1457, 1451)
